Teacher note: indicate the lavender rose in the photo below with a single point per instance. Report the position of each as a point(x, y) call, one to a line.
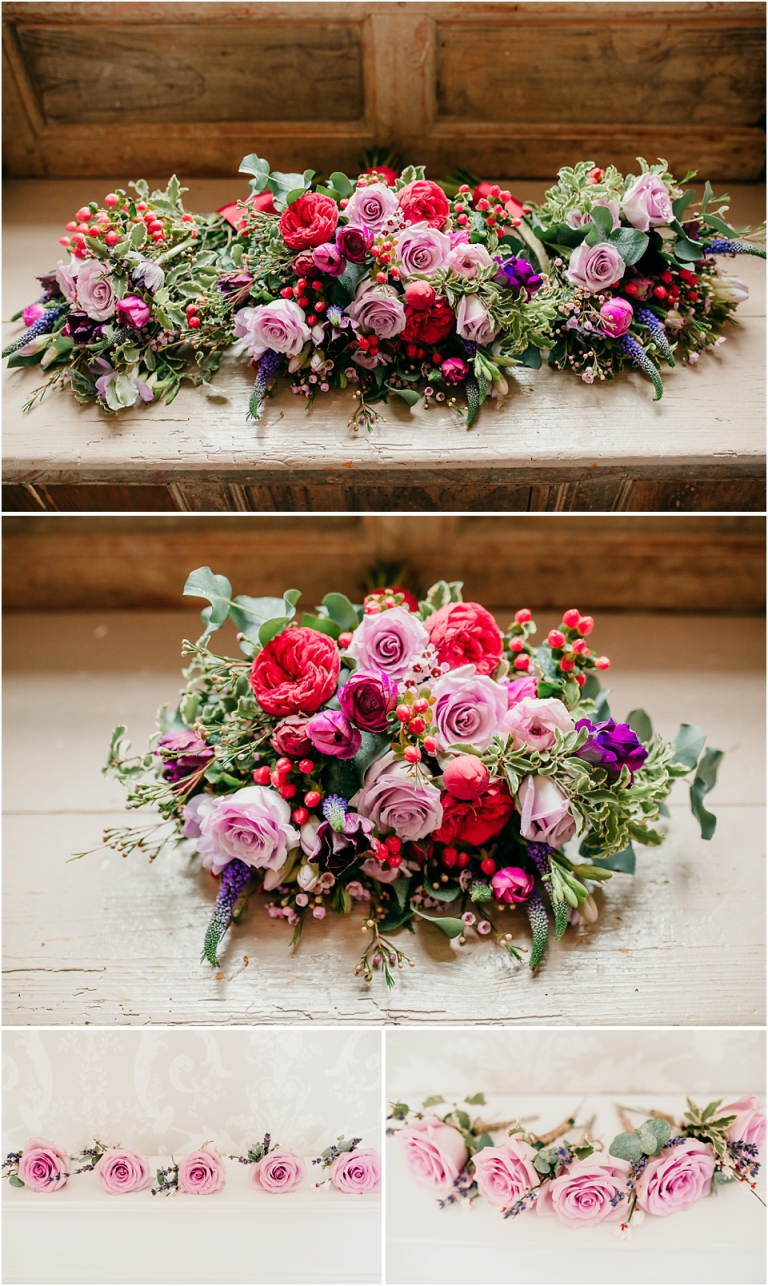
point(332, 734)
point(595, 267)
point(473, 321)
point(390, 641)
point(120, 1170)
point(396, 798)
point(356, 1172)
point(253, 824)
point(469, 708)
point(354, 241)
point(544, 816)
point(749, 1126)
point(377, 308)
point(95, 293)
point(532, 722)
point(436, 1153)
point(66, 278)
point(589, 1192)
point(44, 1167)
point(421, 249)
point(367, 699)
point(280, 326)
point(647, 203)
point(202, 1173)
point(374, 206)
point(281, 1170)
point(291, 737)
point(328, 258)
point(504, 1175)
point(466, 259)
point(187, 753)
point(676, 1178)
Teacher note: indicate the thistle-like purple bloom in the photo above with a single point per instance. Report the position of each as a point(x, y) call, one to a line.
point(342, 839)
point(611, 745)
point(517, 274)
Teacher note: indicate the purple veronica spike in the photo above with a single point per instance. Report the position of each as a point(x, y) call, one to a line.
point(234, 878)
point(649, 319)
point(267, 368)
point(42, 326)
point(638, 355)
point(720, 246)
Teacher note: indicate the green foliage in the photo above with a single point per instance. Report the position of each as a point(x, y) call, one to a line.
point(647, 1140)
point(451, 927)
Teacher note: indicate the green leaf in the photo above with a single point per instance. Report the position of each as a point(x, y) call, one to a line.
point(294, 195)
point(28, 359)
point(138, 235)
point(125, 391)
point(602, 217)
point(625, 861)
point(253, 164)
point(270, 629)
point(476, 1100)
point(531, 357)
point(689, 744)
point(15, 1181)
point(351, 277)
point(445, 892)
point(705, 779)
point(627, 1147)
point(451, 927)
point(341, 611)
point(433, 1100)
point(653, 1134)
point(400, 888)
point(342, 184)
point(631, 244)
point(202, 583)
point(249, 614)
point(409, 395)
point(321, 623)
point(680, 206)
point(640, 723)
point(688, 251)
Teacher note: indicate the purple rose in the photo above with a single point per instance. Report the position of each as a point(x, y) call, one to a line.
point(544, 816)
point(328, 258)
point(291, 736)
point(399, 799)
point(616, 317)
point(595, 267)
point(373, 205)
point(454, 369)
point(44, 1167)
point(647, 203)
point(280, 326)
point(354, 241)
point(473, 321)
point(611, 745)
point(82, 328)
point(186, 753)
point(133, 311)
point(421, 249)
point(469, 708)
point(332, 734)
point(466, 259)
point(378, 308)
point(95, 294)
point(389, 641)
point(231, 283)
point(518, 275)
point(367, 699)
point(253, 825)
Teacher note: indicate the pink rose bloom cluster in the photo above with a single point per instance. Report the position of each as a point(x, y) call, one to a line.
point(421, 249)
point(544, 815)
point(280, 326)
point(533, 722)
point(253, 824)
point(505, 1174)
point(202, 1173)
point(588, 1192)
point(676, 1178)
point(749, 1126)
point(356, 1172)
point(595, 268)
point(390, 642)
point(376, 206)
point(44, 1167)
point(435, 1152)
point(281, 1170)
point(119, 1171)
point(647, 203)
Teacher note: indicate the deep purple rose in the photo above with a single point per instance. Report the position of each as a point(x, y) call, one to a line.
point(332, 734)
point(611, 745)
point(354, 241)
point(186, 753)
point(367, 699)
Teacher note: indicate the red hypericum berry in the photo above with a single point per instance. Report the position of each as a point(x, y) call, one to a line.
point(666, 277)
point(262, 775)
point(284, 764)
point(417, 726)
point(580, 648)
point(580, 678)
point(193, 322)
point(393, 843)
point(556, 638)
point(300, 816)
point(287, 292)
point(319, 305)
point(141, 206)
point(63, 241)
point(311, 319)
point(462, 220)
point(464, 859)
point(692, 295)
point(112, 238)
point(660, 292)
point(596, 174)
point(345, 638)
point(312, 798)
point(437, 359)
point(523, 615)
point(488, 866)
point(567, 664)
point(420, 705)
point(288, 790)
point(395, 860)
point(344, 202)
point(190, 309)
point(522, 661)
point(303, 301)
point(83, 213)
point(505, 195)
point(483, 204)
point(381, 277)
point(602, 663)
point(317, 285)
point(430, 745)
point(403, 713)
point(490, 220)
point(450, 857)
point(71, 226)
point(586, 625)
point(571, 618)
point(516, 644)
point(630, 288)
point(277, 779)
point(306, 766)
point(158, 236)
point(412, 754)
point(111, 199)
point(93, 231)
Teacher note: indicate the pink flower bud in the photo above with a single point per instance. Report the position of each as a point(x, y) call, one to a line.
point(419, 295)
point(466, 777)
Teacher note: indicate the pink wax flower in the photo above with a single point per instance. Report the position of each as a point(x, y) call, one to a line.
point(506, 1173)
point(120, 1170)
point(356, 1172)
point(328, 258)
point(202, 1173)
point(454, 370)
point(466, 777)
point(389, 641)
point(473, 321)
point(32, 313)
point(435, 1152)
point(469, 708)
point(281, 1170)
point(595, 267)
point(584, 1194)
point(616, 317)
point(533, 721)
point(647, 203)
point(544, 815)
point(676, 1178)
point(44, 1167)
point(512, 884)
point(749, 1126)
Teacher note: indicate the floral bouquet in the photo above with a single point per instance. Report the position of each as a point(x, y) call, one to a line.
point(659, 1168)
point(136, 310)
point(408, 756)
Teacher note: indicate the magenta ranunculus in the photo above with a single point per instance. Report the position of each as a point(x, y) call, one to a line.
point(253, 824)
point(473, 321)
point(465, 260)
point(421, 250)
point(328, 258)
point(616, 316)
point(133, 311)
point(356, 1172)
point(454, 370)
point(32, 313)
point(378, 308)
point(647, 203)
point(281, 1170)
point(120, 1170)
point(389, 641)
point(506, 1173)
point(332, 734)
point(354, 241)
point(280, 326)
point(291, 737)
point(512, 884)
point(435, 1152)
point(544, 815)
point(594, 268)
point(44, 1166)
point(374, 205)
point(676, 1178)
point(589, 1192)
point(399, 799)
point(533, 721)
point(202, 1173)
point(466, 777)
point(95, 294)
point(469, 708)
point(749, 1126)
point(367, 699)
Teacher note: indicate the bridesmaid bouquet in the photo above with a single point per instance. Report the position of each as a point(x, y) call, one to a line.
point(410, 757)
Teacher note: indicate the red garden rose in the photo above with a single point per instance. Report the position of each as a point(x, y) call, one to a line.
point(296, 672)
point(428, 326)
point(422, 201)
point(310, 221)
point(466, 634)
point(475, 821)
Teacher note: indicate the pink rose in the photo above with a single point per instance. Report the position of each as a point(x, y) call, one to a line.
point(120, 1170)
point(465, 260)
point(587, 1193)
point(512, 884)
point(133, 311)
point(473, 321)
point(389, 641)
point(281, 1170)
point(202, 1173)
point(253, 824)
point(95, 294)
point(328, 258)
point(595, 267)
point(280, 326)
point(354, 241)
point(356, 1172)
point(647, 203)
point(469, 708)
point(374, 205)
point(533, 720)
point(544, 815)
point(505, 1174)
point(66, 278)
point(378, 308)
point(454, 370)
point(577, 218)
point(616, 317)
point(421, 249)
point(44, 1167)
point(749, 1126)
point(466, 777)
point(399, 799)
point(290, 737)
point(519, 689)
point(435, 1152)
point(676, 1178)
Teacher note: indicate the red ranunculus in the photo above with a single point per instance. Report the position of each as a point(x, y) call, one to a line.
point(466, 634)
point(475, 821)
point(422, 201)
point(296, 672)
point(310, 221)
point(428, 326)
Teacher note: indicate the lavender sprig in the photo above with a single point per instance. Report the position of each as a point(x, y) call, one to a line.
point(234, 879)
point(652, 323)
point(722, 246)
point(267, 368)
point(638, 355)
point(539, 927)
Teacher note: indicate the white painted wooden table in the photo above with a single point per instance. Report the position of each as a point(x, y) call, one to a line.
point(554, 443)
point(107, 940)
point(720, 1239)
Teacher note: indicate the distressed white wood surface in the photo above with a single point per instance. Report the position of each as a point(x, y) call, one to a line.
point(720, 1239)
point(108, 940)
point(713, 415)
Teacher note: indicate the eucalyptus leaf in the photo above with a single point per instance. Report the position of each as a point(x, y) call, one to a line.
point(341, 611)
point(631, 244)
point(323, 624)
point(451, 927)
point(706, 776)
point(626, 1147)
point(203, 583)
point(689, 744)
point(640, 723)
point(653, 1134)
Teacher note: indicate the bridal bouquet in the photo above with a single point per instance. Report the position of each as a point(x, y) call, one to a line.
point(659, 1168)
point(410, 757)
